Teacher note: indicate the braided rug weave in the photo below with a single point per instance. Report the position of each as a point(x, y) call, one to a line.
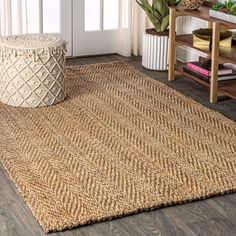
point(121, 143)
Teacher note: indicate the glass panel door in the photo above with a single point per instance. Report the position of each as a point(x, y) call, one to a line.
point(95, 26)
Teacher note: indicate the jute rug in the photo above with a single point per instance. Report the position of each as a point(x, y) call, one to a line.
point(121, 143)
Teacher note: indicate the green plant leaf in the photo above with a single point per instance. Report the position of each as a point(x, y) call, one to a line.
point(217, 6)
point(144, 4)
point(158, 27)
point(228, 4)
point(173, 2)
point(157, 13)
point(165, 23)
point(156, 23)
point(161, 7)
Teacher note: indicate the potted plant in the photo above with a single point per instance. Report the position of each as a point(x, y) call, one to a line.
point(224, 11)
point(155, 40)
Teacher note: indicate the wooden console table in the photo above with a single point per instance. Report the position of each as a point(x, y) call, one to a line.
point(218, 55)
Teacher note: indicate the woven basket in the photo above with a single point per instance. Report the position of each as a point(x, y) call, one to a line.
point(192, 4)
point(32, 70)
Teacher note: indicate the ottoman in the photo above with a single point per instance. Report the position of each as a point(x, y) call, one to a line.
point(32, 70)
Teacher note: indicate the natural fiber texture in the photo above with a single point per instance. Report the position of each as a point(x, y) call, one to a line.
point(192, 4)
point(121, 143)
point(32, 70)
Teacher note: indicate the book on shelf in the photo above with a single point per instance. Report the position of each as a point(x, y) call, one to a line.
point(230, 65)
point(188, 70)
point(198, 67)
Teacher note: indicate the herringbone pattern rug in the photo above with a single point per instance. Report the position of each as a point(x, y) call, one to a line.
point(121, 143)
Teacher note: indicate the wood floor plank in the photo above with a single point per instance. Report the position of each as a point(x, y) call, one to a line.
point(214, 217)
point(15, 218)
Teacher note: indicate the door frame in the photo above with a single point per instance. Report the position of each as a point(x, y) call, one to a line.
point(66, 24)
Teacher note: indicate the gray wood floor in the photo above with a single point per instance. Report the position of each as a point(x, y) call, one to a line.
point(212, 217)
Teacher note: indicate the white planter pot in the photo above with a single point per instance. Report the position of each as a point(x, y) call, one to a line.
point(155, 50)
point(222, 16)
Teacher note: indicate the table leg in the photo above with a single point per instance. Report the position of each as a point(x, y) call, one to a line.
point(171, 46)
point(215, 62)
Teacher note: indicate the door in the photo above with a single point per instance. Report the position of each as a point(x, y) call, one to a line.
point(53, 16)
point(57, 18)
point(37, 16)
point(65, 21)
point(95, 26)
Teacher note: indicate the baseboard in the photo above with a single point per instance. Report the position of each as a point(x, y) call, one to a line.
point(185, 54)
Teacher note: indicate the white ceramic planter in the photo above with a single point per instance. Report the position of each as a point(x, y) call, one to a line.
point(222, 16)
point(155, 50)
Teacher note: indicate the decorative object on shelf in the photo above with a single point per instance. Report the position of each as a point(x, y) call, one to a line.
point(228, 4)
point(155, 41)
point(203, 37)
point(209, 3)
point(233, 10)
point(225, 11)
point(32, 70)
point(204, 77)
point(204, 67)
point(192, 4)
point(202, 70)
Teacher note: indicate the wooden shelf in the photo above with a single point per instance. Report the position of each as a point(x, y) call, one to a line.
point(179, 68)
point(218, 54)
point(226, 54)
point(203, 13)
point(227, 88)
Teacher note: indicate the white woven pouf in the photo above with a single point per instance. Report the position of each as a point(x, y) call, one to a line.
point(32, 70)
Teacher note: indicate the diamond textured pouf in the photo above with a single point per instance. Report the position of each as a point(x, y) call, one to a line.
point(32, 70)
